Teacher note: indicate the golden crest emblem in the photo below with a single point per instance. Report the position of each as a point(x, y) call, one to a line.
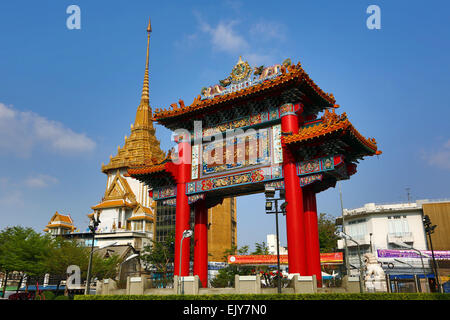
point(241, 71)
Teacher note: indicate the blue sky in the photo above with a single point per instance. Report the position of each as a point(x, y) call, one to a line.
point(68, 97)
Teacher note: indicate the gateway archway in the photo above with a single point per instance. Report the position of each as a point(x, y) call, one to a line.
point(259, 127)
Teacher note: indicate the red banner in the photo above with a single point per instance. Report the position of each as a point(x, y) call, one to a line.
point(325, 258)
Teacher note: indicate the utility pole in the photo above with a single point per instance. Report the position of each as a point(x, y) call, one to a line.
point(345, 239)
point(429, 229)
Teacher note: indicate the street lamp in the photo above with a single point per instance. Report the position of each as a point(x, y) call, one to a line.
point(343, 235)
point(186, 234)
point(92, 227)
point(270, 193)
point(429, 229)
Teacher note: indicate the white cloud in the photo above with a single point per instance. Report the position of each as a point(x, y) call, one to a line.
point(254, 42)
point(268, 31)
point(40, 181)
point(20, 132)
point(11, 199)
point(439, 158)
point(224, 38)
point(256, 59)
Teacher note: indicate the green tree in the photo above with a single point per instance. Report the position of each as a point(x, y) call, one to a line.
point(63, 253)
point(21, 250)
point(327, 237)
point(226, 276)
point(32, 254)
point(160, 256)
point(104, 268)
point(261, 249)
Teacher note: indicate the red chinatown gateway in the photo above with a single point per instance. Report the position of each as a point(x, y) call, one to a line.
point(259, 127)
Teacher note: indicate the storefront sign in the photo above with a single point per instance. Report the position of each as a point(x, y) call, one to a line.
point(325, 258)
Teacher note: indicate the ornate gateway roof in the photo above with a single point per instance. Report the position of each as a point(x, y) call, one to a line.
point(340, 135)
point(284, 82)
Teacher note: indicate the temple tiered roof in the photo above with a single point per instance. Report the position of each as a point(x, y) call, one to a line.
point(60, 220)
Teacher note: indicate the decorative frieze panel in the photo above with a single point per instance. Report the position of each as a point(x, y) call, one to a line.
point(308, 171)
point(270, 114)
point(164, 193)
point(304, 181)
point(196, 197)
point(247, 177)
point(319, 165)
point(287, 109)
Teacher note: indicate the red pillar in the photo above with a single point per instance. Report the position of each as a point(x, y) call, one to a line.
point(295, 230)
point(182, 171)
point(312, 234)
point(201, 242)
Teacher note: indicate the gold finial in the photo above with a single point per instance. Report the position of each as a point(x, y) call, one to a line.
point(149, 28)
point(145, 89)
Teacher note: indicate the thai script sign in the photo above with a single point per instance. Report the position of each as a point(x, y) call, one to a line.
point(438, 255)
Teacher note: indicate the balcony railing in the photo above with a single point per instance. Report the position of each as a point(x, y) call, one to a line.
point(400, 237)
point(363, 240)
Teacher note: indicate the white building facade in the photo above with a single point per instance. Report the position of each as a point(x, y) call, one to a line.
point(272, 245)
point(378, 228)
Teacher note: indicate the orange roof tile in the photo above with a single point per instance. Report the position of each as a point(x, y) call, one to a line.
point(56, 225)
point(141, 217)
point(331, 123)
point(147, 169)
point(113, 204)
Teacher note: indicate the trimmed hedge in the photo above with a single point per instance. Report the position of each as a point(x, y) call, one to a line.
point(317, 296)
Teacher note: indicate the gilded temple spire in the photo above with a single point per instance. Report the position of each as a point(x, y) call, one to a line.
point(141, 145)
point(144, 111)
point(145, 89)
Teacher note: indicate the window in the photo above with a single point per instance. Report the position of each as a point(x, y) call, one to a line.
point(165, 220)
point(357, 229)
point(398, 225)
point(138, 226)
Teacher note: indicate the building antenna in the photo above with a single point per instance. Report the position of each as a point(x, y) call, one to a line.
point(408, 194)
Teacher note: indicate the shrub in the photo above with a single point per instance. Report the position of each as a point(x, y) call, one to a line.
point(318, 296)
point(48, 295)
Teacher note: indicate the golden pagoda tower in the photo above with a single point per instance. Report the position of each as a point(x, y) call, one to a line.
point(142, 144)
point(126, 212)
